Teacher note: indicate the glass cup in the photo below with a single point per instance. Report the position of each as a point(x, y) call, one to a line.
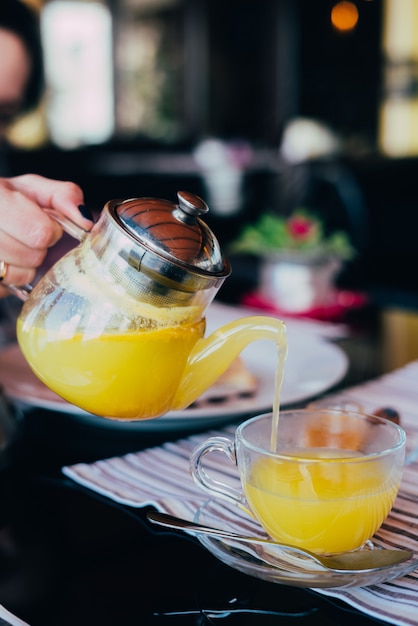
point(327, 484)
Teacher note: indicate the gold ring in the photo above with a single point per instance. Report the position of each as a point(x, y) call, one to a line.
point(3, 269)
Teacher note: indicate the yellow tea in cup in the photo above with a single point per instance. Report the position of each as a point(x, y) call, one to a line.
point(328, 485)
point(323, 501)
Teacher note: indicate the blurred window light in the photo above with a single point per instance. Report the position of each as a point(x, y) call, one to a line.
point(149, 72)
point(344, 16)
point(400, 28)
point(398, 115)
point(30, 130)
point(77, 40)
point(34, 4)
point(399, 127)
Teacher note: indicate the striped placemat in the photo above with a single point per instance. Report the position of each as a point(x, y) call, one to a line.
point(160, 477)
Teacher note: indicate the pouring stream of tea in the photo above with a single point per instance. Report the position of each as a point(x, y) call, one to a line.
point(281, 356)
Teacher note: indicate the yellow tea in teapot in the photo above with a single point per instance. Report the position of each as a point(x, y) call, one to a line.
point(127, 375)
point(116, 326)
point(118, 356)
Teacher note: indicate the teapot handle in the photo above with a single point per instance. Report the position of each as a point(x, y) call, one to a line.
point(71, 228)
point(22, 292)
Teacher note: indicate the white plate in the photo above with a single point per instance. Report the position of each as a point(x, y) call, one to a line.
point(290, 570)
point(313, 365)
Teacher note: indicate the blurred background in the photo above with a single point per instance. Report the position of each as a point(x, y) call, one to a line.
point(254, 105)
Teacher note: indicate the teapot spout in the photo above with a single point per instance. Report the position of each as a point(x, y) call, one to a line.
point(211, 356)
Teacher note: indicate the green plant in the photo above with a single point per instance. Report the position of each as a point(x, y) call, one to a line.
point(300, 232)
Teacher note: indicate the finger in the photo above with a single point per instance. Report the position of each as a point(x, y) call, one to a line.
point(22, 262)
point(24, 220)
point(60, 195)
point(24, 227)
point(16, 276)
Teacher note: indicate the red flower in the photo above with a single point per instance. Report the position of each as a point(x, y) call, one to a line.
point(301, 228)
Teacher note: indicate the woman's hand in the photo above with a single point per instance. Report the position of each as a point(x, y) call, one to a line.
point(26, 231)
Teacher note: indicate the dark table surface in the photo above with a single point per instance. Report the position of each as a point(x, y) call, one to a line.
point(70, 557)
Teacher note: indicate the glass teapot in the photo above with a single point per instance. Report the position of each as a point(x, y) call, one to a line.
point(116, 326)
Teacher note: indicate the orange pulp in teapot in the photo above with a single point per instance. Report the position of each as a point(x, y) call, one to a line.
point(329, 506)
point(127, 375)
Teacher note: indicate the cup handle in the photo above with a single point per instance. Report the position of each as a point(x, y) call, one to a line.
point(204, 480)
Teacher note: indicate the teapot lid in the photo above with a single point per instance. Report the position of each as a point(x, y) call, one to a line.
point(173, 231)
point(158, 251)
